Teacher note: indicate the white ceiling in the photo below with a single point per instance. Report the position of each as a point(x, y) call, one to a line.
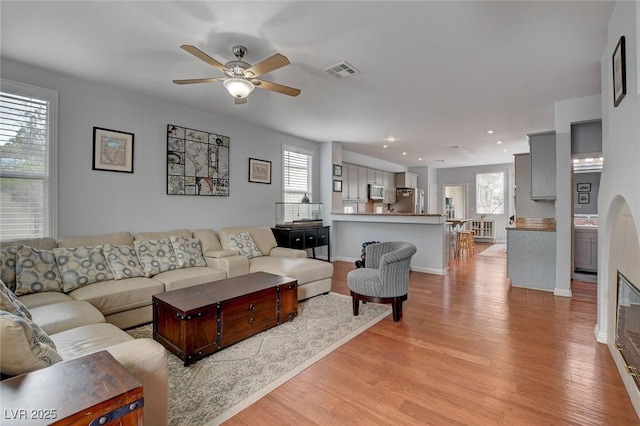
point(435, 75)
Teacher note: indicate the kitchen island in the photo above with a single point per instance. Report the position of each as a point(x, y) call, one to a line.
point(428, 232)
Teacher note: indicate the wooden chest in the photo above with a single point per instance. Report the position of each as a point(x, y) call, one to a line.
point(197, 321)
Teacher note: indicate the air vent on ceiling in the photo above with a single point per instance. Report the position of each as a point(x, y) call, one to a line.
point(341, 70)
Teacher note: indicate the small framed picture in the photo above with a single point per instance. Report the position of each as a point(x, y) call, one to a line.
point(259, 171)
point(584, 187)
point(337, 186)
point(337, 170)
point(619, 73)
point(583, 198)
point(112, 150)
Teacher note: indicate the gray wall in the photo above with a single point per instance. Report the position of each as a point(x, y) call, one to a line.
point(467, 175)
point(592, 206)
point(94, 202)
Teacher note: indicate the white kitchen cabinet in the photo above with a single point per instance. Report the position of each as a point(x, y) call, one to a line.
point(406, 180)
point(542, 147)
point(379, 178)
point(389, 183)
point(371, 176)
point(352, 182)
point(585, 249)
point(362, 184)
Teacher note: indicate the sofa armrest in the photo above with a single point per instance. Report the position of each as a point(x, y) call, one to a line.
point(220, 253)
point(147, 361)
point(233, 265)
point(287, 252)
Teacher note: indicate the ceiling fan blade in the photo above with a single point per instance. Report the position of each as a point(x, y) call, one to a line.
point(199, 80)
point(275, 87)
point(240, 101)
point(273, 63)
point(203, 56)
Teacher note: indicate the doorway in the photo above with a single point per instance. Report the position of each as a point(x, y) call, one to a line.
point(455, 201)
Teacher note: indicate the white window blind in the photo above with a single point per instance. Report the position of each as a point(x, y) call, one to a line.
point(490, 193)
point(297, 174)
point(27, 153)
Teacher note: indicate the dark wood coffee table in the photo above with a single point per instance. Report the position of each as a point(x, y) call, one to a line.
point(197, 321)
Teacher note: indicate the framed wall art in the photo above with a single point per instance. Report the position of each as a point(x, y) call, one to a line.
point(337, 170)
point(259, 171)
point(583, 187)
point(619, 73)
point(337, 186)
point(197, 162)
point(583, 198)
point(112, 150)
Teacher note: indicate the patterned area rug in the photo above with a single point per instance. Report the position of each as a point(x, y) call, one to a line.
point(215, 388)
point(496, 250)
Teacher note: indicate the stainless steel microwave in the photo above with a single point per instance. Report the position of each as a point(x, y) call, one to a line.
point(376, 192)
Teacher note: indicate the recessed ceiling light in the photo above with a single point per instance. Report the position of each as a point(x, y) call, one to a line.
point(391, 139)
point(385, 146)
point(489, 131)
point(499, 142)
point(505, 150)
point(404, 153)
point(420, 159)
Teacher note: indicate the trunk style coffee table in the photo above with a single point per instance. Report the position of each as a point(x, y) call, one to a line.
point(194, 322)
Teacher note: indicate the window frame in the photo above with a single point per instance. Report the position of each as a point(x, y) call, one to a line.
point(504, 190)
point(51, 167)
point(304, 151)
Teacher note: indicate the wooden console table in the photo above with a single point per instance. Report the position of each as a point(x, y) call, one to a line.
point(91, 390)
point(303, 238)
point(194, 322)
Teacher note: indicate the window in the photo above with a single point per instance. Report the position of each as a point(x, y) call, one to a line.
point(490, 193)
point(297, 174)
point(27, 161)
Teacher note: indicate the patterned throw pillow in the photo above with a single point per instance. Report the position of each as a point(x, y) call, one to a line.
point(188, 252)
point(10, 303)
point(8, 266)
point(25, 347)
point(80, 266)
point(123, 261)
point(36, 271)
point(156, 256)
point(243, 242)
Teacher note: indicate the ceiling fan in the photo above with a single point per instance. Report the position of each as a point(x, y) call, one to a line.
point(241, 78)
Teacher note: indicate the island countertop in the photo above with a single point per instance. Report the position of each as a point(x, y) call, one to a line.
point(425, 219)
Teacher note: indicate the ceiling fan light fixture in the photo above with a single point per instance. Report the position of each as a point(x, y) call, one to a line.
point(238, 87)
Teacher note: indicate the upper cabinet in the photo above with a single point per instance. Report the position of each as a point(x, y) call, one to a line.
point(406, 180)
point(542, 147)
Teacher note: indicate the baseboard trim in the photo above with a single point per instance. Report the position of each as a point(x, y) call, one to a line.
point(562, 292)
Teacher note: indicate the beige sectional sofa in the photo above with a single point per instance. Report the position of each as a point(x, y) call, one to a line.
point(85, 318)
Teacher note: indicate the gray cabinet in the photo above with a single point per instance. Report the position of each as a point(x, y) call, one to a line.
point(542, 147)
point(531, 259)
point(585, 249)
point(525, 206)
point(352, 183)
point(362, 184)
point(389, 183)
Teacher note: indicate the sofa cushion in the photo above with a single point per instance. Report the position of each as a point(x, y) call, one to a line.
point(208, 239)
point(10, 303)
point(262, 237)
point(123, 261)
point(116, 238)
point(181, 278)
point(115, 296)
point(80, 266)
point(162, 235)
point(188, 251)
point(67, 315)
point(24, 346)
point(36, 271)
point(303, 270)
point(45, 298)
point(8, 266)
point(243, 243)
point(87, 339)
point(156, 256)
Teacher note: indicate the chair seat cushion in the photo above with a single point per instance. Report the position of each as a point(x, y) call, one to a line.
point(366, 281)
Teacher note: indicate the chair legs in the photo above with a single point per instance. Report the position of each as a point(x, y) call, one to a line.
point(396, 303)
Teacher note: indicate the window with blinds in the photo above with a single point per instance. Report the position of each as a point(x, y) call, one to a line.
point(297, 174)
point(27, 148)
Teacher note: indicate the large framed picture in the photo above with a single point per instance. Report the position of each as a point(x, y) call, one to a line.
point(619, 73)
point(259, 171)
point(112, 150)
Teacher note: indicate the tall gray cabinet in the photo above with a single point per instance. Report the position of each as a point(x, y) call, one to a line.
point(542, 147)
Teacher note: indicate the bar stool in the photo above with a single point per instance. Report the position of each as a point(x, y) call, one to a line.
point(465, 243)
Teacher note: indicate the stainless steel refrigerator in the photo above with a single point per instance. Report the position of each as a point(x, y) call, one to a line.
point(409, 200)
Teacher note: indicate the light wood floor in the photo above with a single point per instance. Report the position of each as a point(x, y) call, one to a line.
point(469, 350)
